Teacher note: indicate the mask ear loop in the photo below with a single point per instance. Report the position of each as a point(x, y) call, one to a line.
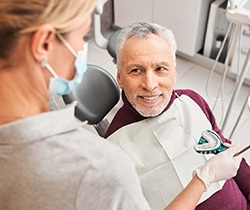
point(63, 40)
point(46, 65)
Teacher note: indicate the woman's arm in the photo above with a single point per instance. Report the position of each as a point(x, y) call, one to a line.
point(189, 197)
point(220, 167)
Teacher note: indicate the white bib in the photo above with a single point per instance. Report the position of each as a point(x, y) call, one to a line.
point(162, 150)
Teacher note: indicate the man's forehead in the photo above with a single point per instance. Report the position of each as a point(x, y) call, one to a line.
point(142, 64)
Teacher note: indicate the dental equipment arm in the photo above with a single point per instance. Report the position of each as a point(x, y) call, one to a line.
point(232, 4)
point(99, 6)
point(100, 40)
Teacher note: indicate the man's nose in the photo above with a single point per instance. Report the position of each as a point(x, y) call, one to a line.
point(150, 81)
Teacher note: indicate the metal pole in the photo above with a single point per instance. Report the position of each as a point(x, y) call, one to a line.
point(237, 89)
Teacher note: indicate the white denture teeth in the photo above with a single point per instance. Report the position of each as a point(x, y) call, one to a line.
point(210, 143)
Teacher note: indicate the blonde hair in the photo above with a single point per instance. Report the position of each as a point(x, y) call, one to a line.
point(18, 17)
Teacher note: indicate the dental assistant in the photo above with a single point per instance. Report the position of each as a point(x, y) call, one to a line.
point(47, 160)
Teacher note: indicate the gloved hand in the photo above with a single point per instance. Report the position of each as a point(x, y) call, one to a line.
point(220, 167)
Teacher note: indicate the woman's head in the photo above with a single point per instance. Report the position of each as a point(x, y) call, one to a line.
point(19, 17)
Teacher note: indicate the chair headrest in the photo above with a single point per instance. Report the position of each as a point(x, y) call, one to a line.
point(97, 94)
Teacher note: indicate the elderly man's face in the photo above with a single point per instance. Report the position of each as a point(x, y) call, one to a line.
point(147, 74)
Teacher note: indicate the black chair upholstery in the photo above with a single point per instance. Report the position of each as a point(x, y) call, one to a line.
point(97, 94)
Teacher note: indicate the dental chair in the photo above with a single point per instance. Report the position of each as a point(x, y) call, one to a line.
point(103, 42)
point(97, 94)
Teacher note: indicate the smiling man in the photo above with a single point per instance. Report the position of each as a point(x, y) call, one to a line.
point(147, 74)
point(158, 126)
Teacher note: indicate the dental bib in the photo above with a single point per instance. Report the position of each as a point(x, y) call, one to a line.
point(162, 149)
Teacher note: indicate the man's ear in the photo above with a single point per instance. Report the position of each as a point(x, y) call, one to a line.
point(118, 78)
point(42, 42)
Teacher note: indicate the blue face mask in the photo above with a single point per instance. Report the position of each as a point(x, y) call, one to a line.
point(61, 86)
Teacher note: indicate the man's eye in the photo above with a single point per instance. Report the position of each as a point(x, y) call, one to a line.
point(160, 68)
point(135, 70)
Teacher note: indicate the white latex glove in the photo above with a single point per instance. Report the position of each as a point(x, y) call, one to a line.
point(220, 167)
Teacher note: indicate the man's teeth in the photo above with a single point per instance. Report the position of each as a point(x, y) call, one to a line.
point(150, 98)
